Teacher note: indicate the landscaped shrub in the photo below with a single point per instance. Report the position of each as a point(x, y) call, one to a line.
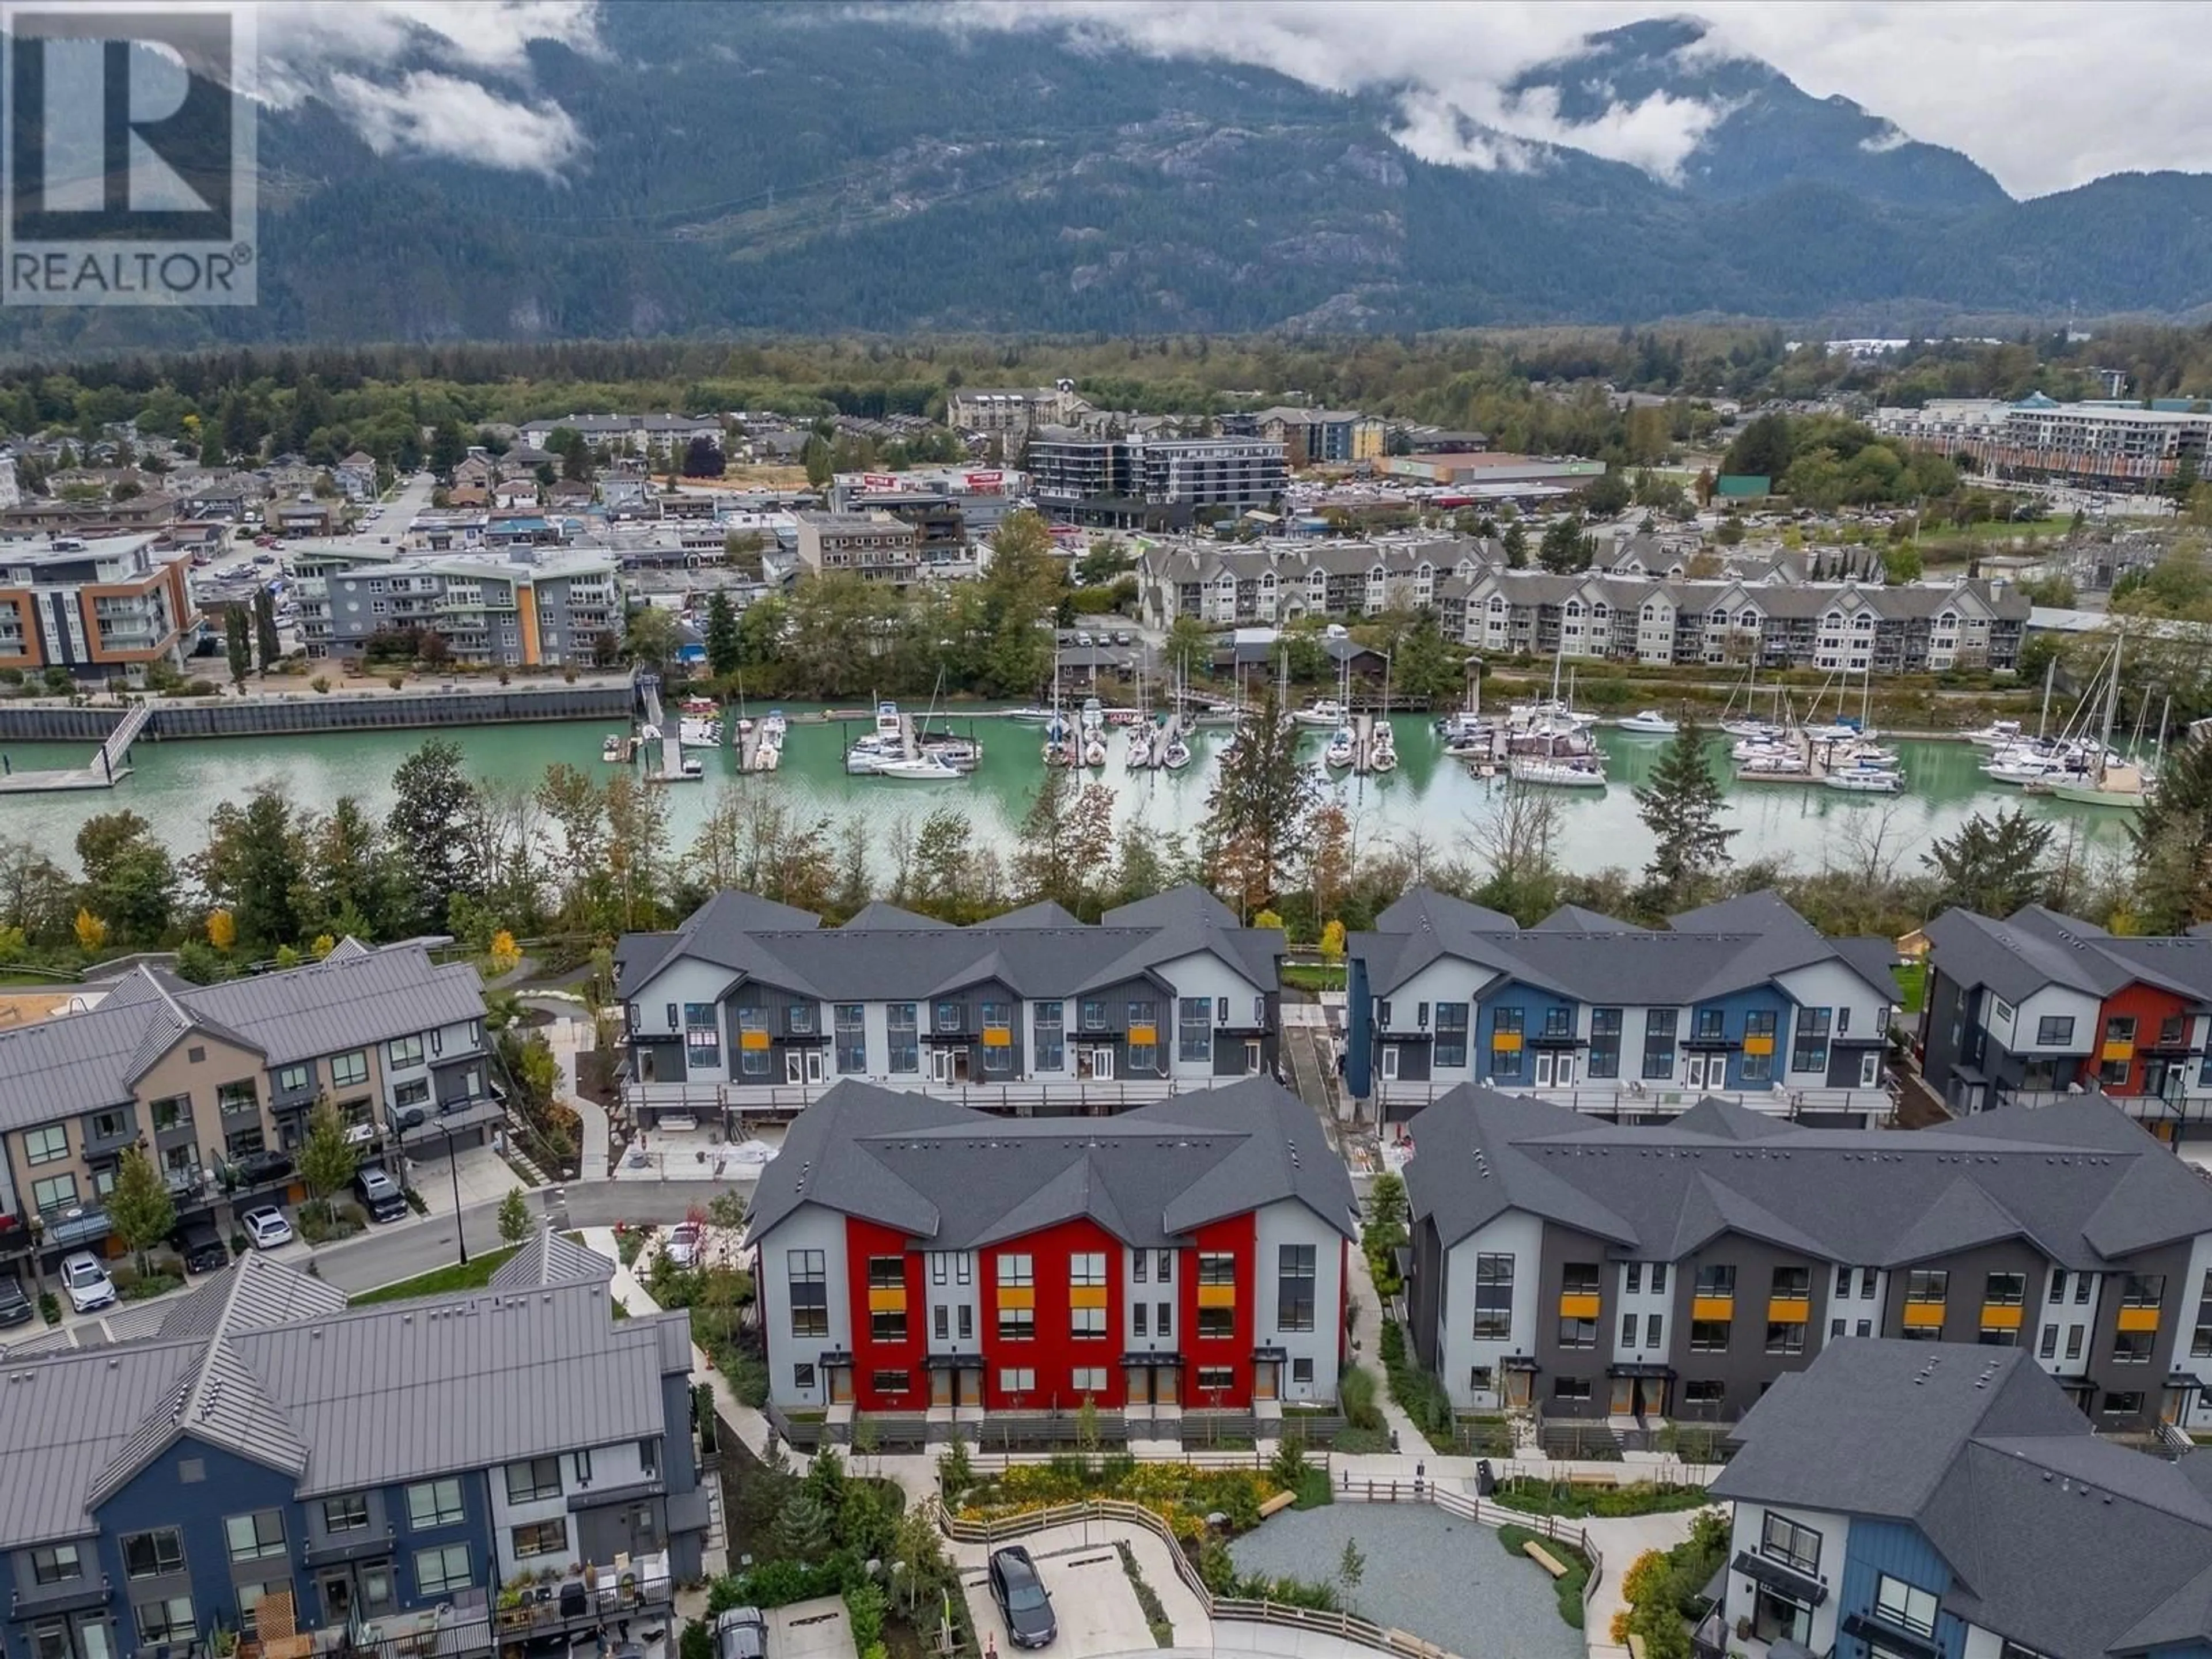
point(1355, 1397)
point(1569, 1586)
point(1568, 1499)
point(1179, 1494)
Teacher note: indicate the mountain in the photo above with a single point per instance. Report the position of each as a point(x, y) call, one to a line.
point(814, 168)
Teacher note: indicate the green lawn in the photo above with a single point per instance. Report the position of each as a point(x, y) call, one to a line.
point(1314, 975)
point(439, 1280)
point(1911, 985)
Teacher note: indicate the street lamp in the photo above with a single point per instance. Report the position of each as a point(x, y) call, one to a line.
point(413, 1118)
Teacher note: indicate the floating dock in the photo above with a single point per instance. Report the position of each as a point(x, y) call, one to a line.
point(109, 765)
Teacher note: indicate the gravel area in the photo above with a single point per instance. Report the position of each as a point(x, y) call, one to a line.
point(1442, 1578)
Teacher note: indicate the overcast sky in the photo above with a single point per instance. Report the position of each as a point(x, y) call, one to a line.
point(2046, 95)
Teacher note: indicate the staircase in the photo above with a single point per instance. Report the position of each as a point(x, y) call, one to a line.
point(113, 759)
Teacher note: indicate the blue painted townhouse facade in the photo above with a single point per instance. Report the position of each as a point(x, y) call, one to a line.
point(412, 1477)
point(1744, 1000)
point(1909, 1500)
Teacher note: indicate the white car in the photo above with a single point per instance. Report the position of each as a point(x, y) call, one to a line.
point(266, 1227)
point(683, 1242)
point(87, 1282)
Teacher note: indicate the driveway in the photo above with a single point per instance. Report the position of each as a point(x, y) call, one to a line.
point(810, 1629)
point(1091, 1598)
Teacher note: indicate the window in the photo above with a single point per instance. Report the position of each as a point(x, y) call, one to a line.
point(753, 1046)
point(2141, 1290)
point(1577, 1333)
point(1558, 1022)
point(1571, 1388)
point(2054, 1031)
point(1706, 1393)
point(1294, 1288)
point(1605, 1043)
point(346, 1514)
point(2121, 1028)
point(1717, 1279)
point(1927, 1285)
point(2132, 1347)
point(887, 1325)
point(2084, 1285)
point(1194, 1028)
point(532, 1478)
point(2074, 1341)
point(434, 1503)
point(168, 1621)
point(1087, 1379)
point(1217, 1322)
point(1635, 1278)
point(947, 1017)
point(1094, 1016)
point(807, 1274)
point(2058, 1284)
point(1493, 1298)
point(2005, 1290)
point(1164, 1266)
point(2048, 1348)
point(1087, 1269)
point(1137, 1311)
point(414, 1092)
point(1051, 1035)
point(802, 1378)
point(1658, 1279)
point(1906, 1606)
point(997, 1036)
point(1792, 1284)
point(1017, 1324)
point(442, 1570)
point(1659, 1041)
point(1808, 1046)
point(237, 1099)
point(852, 1019)
point(1302, 1371)
point(905, 1040)
point(154, 1554)
point(799, 1020)
point(1451, 1037)
point(1785, 1337)
point(1086, 1322)
point(1653, 1324)
point(940, 1323)
point(886, 1273)
point(1709, 1335)
point(349, 1069)
point(54, 1193)
point(2122, 1403)
point(1505, 1026)
point(403, 1052)
point(1790, 1543)
point(1758, 1028)
point(891, 1382)
point(293, 1079)
point(702, 1035)
point(253, 1536)
point(1216, 1380)
point(1016, 1268)
point(1017, 1379)
point(1627, 1331)
point(57, 1565)
point(543, 1537)
point(1711, 1025)
point(173, 1113)
point(2200, 1344)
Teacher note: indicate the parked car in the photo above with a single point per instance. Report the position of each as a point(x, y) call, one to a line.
point(201, 1246)
point(684, 1240)
point(262, 1169)
point(378, 1193)
point(266, 1227)
point(740, 1633)
point(1083, 639)
point(87, 1282)
point(15, 1306)
point(1022, 1599)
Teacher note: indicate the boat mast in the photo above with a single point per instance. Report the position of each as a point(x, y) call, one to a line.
point(2111, 706)
point(2043, 719)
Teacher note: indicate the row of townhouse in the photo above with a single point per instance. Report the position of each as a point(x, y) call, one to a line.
point(214, 1082)
point(916, 1256)
point(2042, 1006)
point(105, 607)
point(1587, 1269)
point(271, 1464)
point(525, 606)
point(752, 1005)
point(1744, 999)
point(1910, 1501)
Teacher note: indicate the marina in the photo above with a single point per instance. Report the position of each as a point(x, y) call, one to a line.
point(1427, 792)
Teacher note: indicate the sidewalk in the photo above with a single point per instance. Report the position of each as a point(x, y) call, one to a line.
point(1369, 1334)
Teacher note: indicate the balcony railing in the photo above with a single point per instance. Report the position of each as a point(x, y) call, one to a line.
point(1075, 1096)
point(78, 1224)
point(1632, 1098)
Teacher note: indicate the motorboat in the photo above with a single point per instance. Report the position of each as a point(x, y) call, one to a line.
point(1094, 749)
point(692, 732)
point(1031, 715)
point(1383, 750)
point(768, 742)
point(1326, 715)
point(924, 769)
point(1650, 723)
point(1341, 746)
point(1557, 772)
point(615, 748)
point(1866, 780)
point(1453, 728)
point(1176, 755)
point(1780, 766)
point(1997, 734)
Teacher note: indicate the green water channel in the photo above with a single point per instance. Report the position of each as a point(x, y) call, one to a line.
point(176, 785)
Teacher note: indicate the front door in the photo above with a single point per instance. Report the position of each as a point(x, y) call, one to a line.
point(1555, 1070)
point(1390, 1062)
point(1102, 1065)
point(1165, 1379)
point(1517, 1390)
point(814, 1066)
point(794, 1068)
point(1694, 1070)
point(1624, 1397)
point(1139, 1381)
point(841, 1385)
point(1870, 1069)
point(940, 1387)
point(1263, 1379)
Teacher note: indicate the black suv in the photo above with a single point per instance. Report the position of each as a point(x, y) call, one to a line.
point(201, 1246)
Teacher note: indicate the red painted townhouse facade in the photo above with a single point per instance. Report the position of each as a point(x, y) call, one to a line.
point(914, 1256)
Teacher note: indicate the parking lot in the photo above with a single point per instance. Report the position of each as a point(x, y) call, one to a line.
point(1096, 1609)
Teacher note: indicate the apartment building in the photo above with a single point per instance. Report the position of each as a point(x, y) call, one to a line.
point(2042, 1006)
point(878, 546)
point(526, 606)
point(1595, 1270)
point(1316, 437)
point(102, 607)
point(250, 1468)
point(1011, 412)
point(2097, 444)
point(753, 1006)
point(626, 434)
point(915, 1255)
point(1744, 999)
point(979, 497)
point(1928, 1499)
point(214, 1082)
point(1071, 469)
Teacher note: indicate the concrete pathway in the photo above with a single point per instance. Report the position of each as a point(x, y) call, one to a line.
point(1097, 1608)
point(1369, 1357)
point(1619, 1542)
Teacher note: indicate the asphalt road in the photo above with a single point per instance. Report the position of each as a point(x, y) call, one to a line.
point(402, 1250)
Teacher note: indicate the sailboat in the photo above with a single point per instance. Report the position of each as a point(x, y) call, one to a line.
point(926, 765)
point(2115, 782)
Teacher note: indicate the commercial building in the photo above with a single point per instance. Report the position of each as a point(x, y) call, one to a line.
point(976, 500)
point(1743, 999)
point(103, 607)
point(311, 1477)
point(752, 1005)
point(1150, 480)
point(209, 1080)
point(526, 605)
point(1591, 1270)
point(1467, 469)
point(2097, 445)
point(2043, 1005)
point(878, 546)
point(1918, 1500)
point(917, 1257)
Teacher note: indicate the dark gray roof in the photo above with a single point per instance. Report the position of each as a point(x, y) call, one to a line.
point(355, 997)
point(2036, 947)
point(2079, 1177)
point(884, 953)
point(1573, 919)
point(2054, 1537)
point(959, 1179)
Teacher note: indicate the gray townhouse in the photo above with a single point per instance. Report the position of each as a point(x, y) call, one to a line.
point(214, 1084)
point(751, 1005)
point(1920, 1500)
point(410, 1478)
point(1583, 1269)
point(1744, 999)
